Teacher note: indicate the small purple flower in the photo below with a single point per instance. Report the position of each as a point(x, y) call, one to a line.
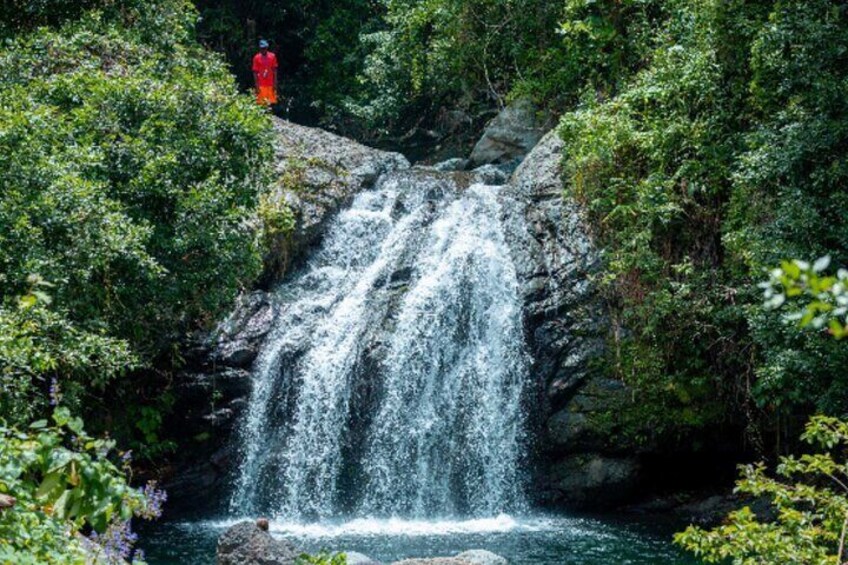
point(116, 543)
point(55, 392)
point(155, 498)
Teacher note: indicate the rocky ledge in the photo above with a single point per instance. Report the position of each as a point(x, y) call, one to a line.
point(317, 173)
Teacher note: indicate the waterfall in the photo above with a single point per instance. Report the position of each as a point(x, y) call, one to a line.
point(392, 382)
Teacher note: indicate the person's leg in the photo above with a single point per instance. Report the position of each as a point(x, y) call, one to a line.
point(266, 96)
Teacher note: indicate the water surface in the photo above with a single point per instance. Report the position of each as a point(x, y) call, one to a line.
point(539, 540)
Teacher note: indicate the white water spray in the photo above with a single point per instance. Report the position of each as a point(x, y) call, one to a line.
point(391, 385)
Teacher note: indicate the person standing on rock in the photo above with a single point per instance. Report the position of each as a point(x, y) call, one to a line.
point(265, 75)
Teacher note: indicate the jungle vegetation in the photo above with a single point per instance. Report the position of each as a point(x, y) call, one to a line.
point(706, 139)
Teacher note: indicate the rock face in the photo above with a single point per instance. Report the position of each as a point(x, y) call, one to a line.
point(237, 339)
point(246, 544)
point(578, 463)
point(511, 135)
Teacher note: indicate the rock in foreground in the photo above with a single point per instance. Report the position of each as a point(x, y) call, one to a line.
point(247, 544)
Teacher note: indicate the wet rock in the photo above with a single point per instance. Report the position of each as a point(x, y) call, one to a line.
point(568, 430)
point(203, 392)
point(704, 509)
point(247, 544)
point(511, 135)
point(592, 480)
point(354, 558)
point(578, 426)
point(433, 561)
point(491, 175)
point(456, 164)
point(472, 557)
point(237, 339)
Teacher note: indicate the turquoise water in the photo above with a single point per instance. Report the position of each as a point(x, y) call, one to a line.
point(540, 540)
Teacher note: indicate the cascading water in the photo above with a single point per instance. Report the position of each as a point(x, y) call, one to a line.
point(391, 384)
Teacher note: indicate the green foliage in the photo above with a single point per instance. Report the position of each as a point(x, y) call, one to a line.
point(129, 170)
point(385, 65)
point(827, 296)
point(652, 167)
point(276, 215)
point(810, 500)
point(37, 345)
point(432, 53)
point(64, 484)
point(809, 521)
point(723, 154)
point(435, 54)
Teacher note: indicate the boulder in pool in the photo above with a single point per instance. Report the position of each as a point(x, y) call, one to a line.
point(433, 561)
point(247, 544)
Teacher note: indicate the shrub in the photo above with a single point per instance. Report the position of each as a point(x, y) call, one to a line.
point(723, 155)
point(810, 500)
point(65, 486)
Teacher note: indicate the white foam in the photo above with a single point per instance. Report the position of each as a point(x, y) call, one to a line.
point(399, 527)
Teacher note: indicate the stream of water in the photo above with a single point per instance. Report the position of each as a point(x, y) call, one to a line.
point(392, 382)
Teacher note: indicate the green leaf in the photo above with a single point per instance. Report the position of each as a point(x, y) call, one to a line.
point(61, 416)
point(48, 489)
point(76, 425)
point(60, 507)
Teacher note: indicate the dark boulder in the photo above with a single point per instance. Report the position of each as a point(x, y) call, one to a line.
point(236, 341)
point(247, 544)
point(592, 480)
